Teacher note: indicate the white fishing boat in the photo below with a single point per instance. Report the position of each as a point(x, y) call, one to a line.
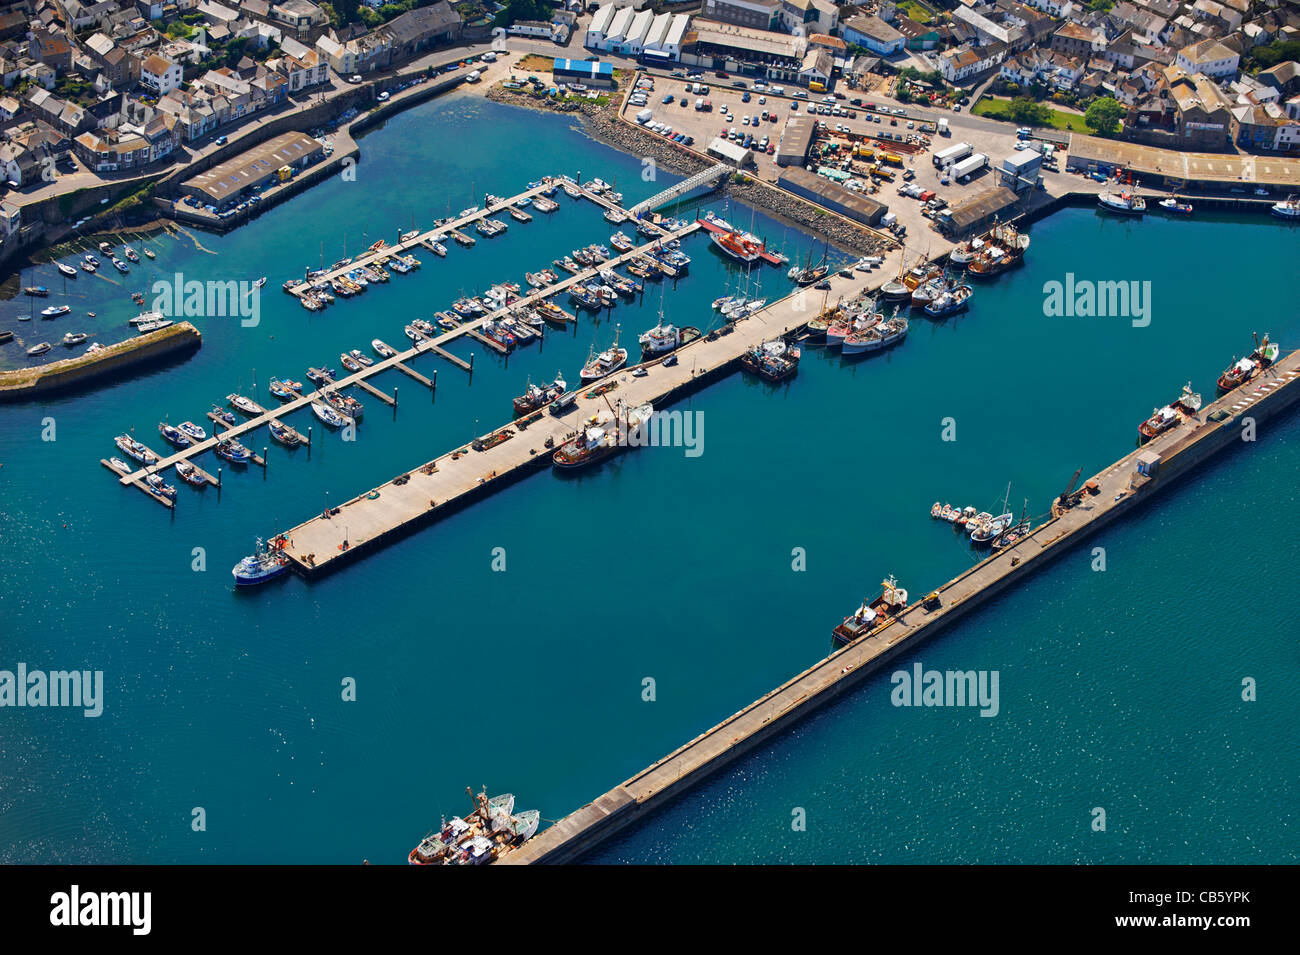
point(1123, 202)
point(605, 363)
point(1288, 208)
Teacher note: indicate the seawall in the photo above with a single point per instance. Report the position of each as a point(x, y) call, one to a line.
point(115, 361)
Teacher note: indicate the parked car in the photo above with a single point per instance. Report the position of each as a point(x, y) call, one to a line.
point(668, 98)
point(354, 79)
point(220, 141)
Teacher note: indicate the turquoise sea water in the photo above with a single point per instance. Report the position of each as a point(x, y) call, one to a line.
point(1119, 689)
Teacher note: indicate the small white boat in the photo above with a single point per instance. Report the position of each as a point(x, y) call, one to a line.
point(37, 350)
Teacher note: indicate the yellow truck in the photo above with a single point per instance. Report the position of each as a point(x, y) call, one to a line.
point(865, 152)
point(816, 87)
point(892, 159)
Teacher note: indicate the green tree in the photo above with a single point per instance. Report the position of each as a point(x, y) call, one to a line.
point(1103, 116)
point(1025, 110)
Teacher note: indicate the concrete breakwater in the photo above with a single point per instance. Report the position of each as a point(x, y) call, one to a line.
point(1120, 488)
point(23, 384)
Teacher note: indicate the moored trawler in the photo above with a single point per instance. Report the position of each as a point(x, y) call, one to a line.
point(535, 396)
point(265, 563)
point(602, 435)
point(492, 830)
point(605, 363)
point(663, 339)
point(1004, 248)
point(873, 615)
point(1288, 208)
point(773, 361)
point(1162, 419)
point(1123, 202)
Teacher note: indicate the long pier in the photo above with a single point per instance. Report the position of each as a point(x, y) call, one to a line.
point(445, 230)
point(468, 327)
point(463, 475)
point(1123, 486)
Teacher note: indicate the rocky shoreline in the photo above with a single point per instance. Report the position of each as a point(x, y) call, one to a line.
point(602, 124)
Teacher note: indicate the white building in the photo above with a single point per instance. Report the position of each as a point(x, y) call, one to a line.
point(1209, 58)
point(626, 31)
point(160, 74)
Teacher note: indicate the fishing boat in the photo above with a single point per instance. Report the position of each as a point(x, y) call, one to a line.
point(1288, 208)
point(6, 337)
point(328, 415)
point(863, 335)
point(985, 531)
point(605, 363)
point(245, 405)
point(119, 264)
point(1266, 351)
point(224, 416)
point(106, 247)
point(1004, 248)
point(874, 614)
point(773, 361)
point(602, 436)
point(1237, 374)
point(587, 297)
point(361, 358)
point(39, 349)
point(437, 248)
point(1161, 420)
point(88, 266)
point(132, 256)
point(190, 474)
point(174, 436)
point(553, 313)
point(1172, 204)
point(145, 328)
point(89, 257)
point(54, 311)
point(159, 486)
point(621, 242)
point(950, 301)
point(535, 397)
point(74, 338)
point(67, 270)
point(485, 835)
point(149, 254)
point(321, 376)
point(135, 450)
point(1123, 203)
point(283, 390)
point(382, 349)
point(258, 283)
point(965, 252)
point(231, 450)
point(665, 338)
point(265, 563)
point(413, 333)
point(345, 405)
point(284, 434)
point(348, 362)
point(193, 431)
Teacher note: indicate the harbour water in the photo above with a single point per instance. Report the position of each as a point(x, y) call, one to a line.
point(1119, 689)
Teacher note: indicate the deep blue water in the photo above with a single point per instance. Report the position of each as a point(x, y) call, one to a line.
point(1119, 689)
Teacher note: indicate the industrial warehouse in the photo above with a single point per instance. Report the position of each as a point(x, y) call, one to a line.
point(277, 159)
